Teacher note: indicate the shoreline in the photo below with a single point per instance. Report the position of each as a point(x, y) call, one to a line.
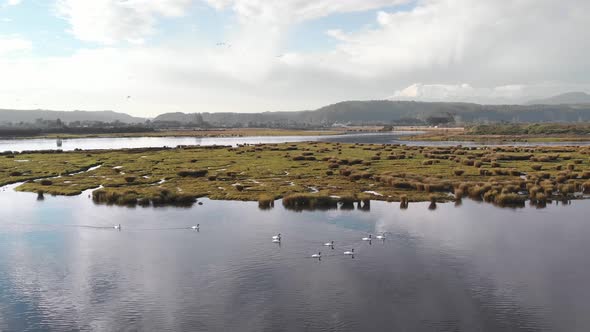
point(254, 132)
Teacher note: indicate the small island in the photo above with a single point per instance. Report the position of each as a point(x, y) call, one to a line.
point(306, 175)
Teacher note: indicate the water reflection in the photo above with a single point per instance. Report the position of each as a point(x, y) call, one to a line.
point(145, 142)
point(472, 268)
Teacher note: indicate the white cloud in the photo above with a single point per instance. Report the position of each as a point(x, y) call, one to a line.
point(473, 40)
point(464, 50)
point(297, 10)
point(11, 44)
point(111, 21)
point(13, 2)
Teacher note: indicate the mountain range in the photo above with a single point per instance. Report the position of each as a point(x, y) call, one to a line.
point(563, 99)
point(16, 116)
point(568, 107)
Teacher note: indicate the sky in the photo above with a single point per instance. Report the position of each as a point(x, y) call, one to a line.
point(147, 57)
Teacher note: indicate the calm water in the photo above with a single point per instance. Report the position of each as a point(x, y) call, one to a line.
point(142, 142)
point(63, 267)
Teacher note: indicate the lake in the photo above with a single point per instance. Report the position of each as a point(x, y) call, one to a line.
point(144, 142)
point(476, 267)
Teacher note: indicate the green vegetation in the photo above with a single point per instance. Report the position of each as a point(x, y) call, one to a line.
point(306, 175)
point(531, 129)
point(537, 132)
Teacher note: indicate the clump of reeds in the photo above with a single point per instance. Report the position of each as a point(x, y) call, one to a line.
point(355, 177)
point(404, 202)
point(536, 167)
point(304, 201)
point(193, 173)
point(130, 179)
point(432, 205)
point(347, 202)
point(509, 199)
point(144, 201)
point(566, 189)
point(345, 172)
point(266, 202)
point(477, 192)
point(458, 172)
point(46, 182)
point(364, 205)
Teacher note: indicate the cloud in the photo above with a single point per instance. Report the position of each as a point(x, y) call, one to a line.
point(463, 50)
point(12, 44)
point(13, 2)
point(473, 40)
point(111, 21)
point(297, 10)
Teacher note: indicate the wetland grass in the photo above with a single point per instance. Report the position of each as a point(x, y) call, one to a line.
point(165, 176)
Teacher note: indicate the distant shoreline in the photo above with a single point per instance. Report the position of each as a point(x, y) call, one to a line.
point(232, 132)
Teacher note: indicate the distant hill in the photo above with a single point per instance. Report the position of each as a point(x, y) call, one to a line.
point(394, 112)
point(16, 116)
point(571, 98)
point(372, 112)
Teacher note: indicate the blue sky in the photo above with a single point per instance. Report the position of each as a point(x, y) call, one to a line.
point(36, 21)
point(40, 22)
point(287, 54)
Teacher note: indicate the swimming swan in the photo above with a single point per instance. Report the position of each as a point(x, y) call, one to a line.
point(329, 244)
point(380, 237)
point(368, 238)
point(349, 253)
point(277, 240)
point(196, 227)
point(318, 255)
point(117, 227)
point(277, 237)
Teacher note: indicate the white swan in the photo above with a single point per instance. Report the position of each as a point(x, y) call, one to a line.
point(380, 237)
point(117, 227)
point(349, 253)
point(278, 240)
point(329, 244)
point(318, 255)
point(196, 227)
point(277, 237)
point(368, 238)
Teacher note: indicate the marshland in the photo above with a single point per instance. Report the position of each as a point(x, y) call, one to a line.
point(307, 174)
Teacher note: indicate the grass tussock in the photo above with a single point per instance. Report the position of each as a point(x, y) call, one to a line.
point(193, 173)
point(266, 202)
point(509, 199)
point(302, 201)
